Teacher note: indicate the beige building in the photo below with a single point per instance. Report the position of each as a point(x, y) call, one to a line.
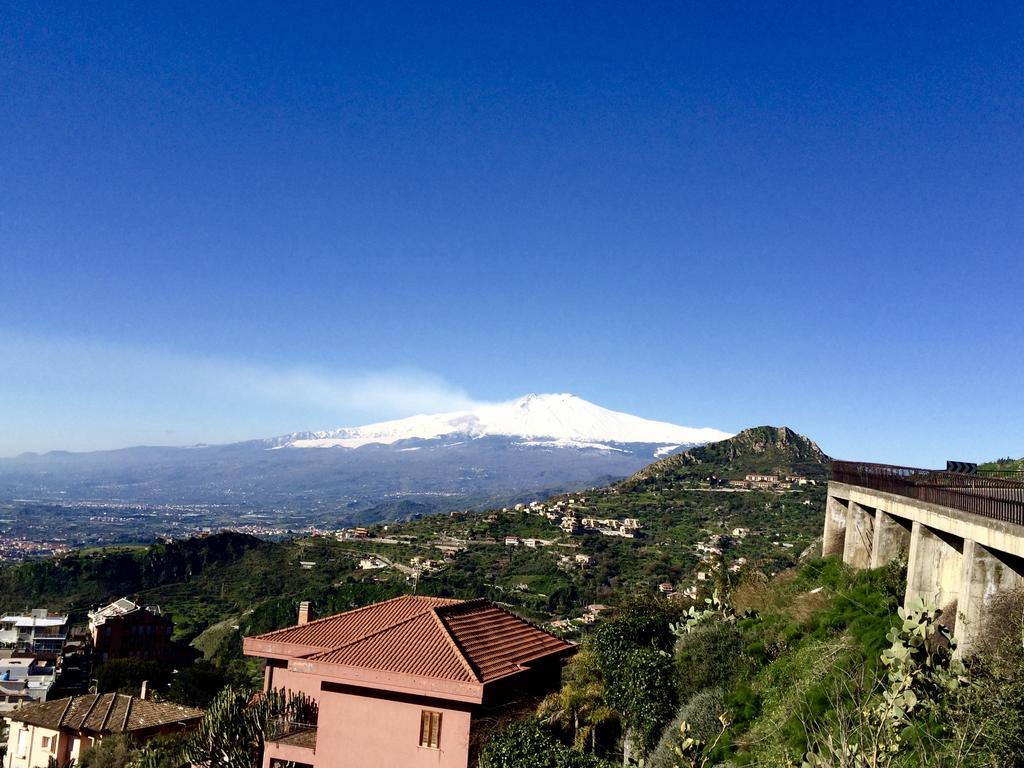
point(63, 729)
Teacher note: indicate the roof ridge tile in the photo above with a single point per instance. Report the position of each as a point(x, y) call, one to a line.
point(106, 715)
point(64, 712)
point(88, 711)
point(359, 610)
point(127, 713)
point(467, 663)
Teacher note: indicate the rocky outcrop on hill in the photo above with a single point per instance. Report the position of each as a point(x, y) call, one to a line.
point(769, 450)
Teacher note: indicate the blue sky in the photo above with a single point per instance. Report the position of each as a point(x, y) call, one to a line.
point(221, 221)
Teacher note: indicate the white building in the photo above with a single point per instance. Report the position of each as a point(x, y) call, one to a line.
point(39, 632)
point(23, 681)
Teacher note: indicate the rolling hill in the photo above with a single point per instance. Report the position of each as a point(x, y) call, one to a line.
point(758, 450)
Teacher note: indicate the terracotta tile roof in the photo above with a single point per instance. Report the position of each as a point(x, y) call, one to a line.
point(342, 628)
point(103, 713)
point(462, 641)
point(418, 646)
point(495, 641)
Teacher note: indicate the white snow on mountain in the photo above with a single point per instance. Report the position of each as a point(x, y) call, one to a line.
point(561, 420)
point(665, 450)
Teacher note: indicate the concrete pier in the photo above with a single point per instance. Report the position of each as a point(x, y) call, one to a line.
point(934, 569)
point(985, 575)
point(835, 526)
point(957, 561)
point(892, 539)
point(860, 534)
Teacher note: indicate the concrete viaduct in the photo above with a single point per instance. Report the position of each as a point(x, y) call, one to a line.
point(962, 535)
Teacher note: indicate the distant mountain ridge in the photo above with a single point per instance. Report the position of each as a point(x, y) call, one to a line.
point(760, 450)
point(534, 446)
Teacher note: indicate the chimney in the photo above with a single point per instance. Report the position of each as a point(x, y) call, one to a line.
point(145, 689)
point(305, 609)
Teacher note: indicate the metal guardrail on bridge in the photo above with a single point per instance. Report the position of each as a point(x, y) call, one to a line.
point(993, 497)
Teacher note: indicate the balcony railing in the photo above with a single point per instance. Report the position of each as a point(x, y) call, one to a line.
point(292, 733)
point(998, 498)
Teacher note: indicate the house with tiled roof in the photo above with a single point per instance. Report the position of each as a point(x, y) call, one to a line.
point(406, 682)
point(126, 630)
point(62, 729)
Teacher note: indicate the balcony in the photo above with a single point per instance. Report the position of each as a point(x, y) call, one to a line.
point(290, 743)
point(294, 734)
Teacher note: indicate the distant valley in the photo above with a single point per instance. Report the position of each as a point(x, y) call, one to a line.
point(685, 524)
point(527, 448)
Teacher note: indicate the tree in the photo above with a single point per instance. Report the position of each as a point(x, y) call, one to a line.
point(236, 725)
point(580, 706)
point(128, 675)
point(114, 751)
point(633, 650)
point(197, 685)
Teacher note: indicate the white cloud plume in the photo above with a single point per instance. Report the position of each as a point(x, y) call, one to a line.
point(395, 391)
point(81, 385)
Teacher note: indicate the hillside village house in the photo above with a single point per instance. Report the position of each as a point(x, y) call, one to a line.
point(62, 729)
point(404, 682)
point(40, 632)
point(23, 681)
point(126, 630)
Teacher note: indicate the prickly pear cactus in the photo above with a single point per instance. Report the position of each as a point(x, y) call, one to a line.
point(715, 607)
point(920, 670)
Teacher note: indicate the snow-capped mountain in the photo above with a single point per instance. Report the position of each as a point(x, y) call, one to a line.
point(556, 420)
point(490, 455)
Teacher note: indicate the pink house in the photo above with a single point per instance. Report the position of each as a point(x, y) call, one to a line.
point(407, 682)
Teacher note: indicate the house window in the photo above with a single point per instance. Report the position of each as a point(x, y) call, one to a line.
point(430, 729)
point(46, 742)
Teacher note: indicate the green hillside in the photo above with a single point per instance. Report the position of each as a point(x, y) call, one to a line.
point(224, 586)
point(1002, 466)
point(80, 580)
point(758, 450)
point(791, 677)
point(814, 668)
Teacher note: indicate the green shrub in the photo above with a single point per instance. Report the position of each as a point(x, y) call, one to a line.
point(633, 652)
point(701, 713)
point(128, 675)
point(710, 655)
point(743, 705)
point(529, 744)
